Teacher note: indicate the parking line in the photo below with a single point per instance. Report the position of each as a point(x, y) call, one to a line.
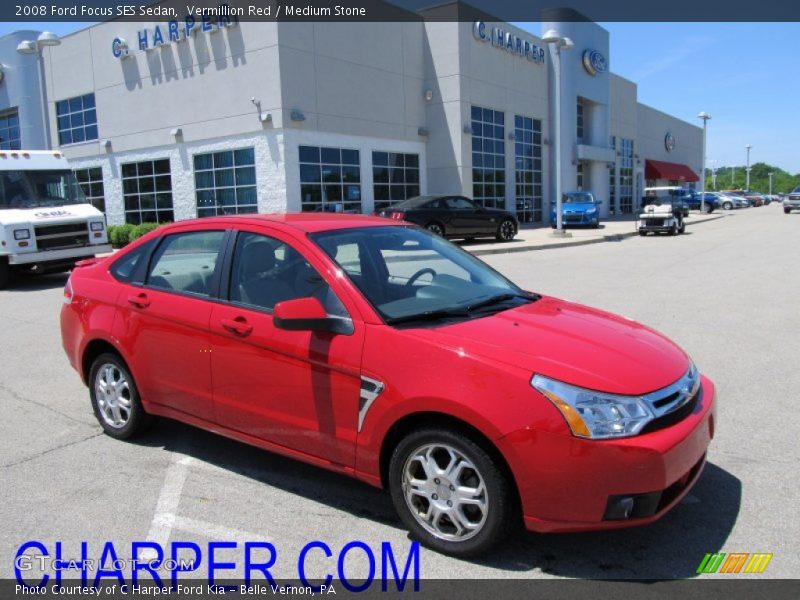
point(167, 505)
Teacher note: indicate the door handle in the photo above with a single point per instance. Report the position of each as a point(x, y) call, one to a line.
point(239, 326)
point(139, 300)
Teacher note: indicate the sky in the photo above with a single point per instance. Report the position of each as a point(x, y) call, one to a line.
point(745, 75)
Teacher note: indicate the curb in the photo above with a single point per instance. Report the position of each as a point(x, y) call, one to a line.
point(617, 237)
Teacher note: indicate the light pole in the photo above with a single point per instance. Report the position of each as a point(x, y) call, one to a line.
point(770, 183)
point(46, 38)
point(556, 42)
point(733, 172)
point(705, 117)
point(747, 185)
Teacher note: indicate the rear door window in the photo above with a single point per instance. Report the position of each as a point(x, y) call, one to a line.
point(186, 262)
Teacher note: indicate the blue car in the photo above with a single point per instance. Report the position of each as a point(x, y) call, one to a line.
point(577, 208)
point(710, 200)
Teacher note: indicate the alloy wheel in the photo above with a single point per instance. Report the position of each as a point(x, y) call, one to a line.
point(445, 492)
point(507, 230)
point(113, 395)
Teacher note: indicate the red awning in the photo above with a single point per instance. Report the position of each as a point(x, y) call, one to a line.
point(659, 169)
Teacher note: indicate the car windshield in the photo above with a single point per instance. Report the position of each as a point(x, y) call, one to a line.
point(411, 276)
point(37, 189)
point(577, 197)
point(796, 190)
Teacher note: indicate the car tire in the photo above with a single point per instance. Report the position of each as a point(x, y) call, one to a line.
point(682, 228)
point(786, 211)
point(673, 230)
point(727, 205)
point(460, 462)
point(506, 230)
point(119, 410)
point(5, 272)
point(642, 233)
point(436, 228)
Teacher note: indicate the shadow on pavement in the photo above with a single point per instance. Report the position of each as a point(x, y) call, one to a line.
point(21, 282)
point(671, 548)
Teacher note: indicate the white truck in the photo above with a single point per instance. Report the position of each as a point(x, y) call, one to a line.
point(46, 223)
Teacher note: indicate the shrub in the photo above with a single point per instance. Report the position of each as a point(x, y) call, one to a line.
point(120, 235)
point(139, 230)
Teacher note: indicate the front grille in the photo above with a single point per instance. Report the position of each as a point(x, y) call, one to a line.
point(676, 416)
point(674, 402)
point(57, 237)
point(573, 218)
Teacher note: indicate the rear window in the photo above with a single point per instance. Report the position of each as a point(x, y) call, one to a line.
point(125, 268)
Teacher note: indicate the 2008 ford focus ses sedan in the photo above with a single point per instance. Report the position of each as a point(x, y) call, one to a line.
point(384, 352)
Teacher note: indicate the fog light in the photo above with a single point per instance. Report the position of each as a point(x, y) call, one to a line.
point(619, 507)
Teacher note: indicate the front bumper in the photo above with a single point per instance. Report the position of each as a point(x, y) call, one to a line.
point(570, 484)
point(60, 256)
point(656, 225)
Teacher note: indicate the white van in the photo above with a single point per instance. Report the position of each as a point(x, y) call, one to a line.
point(46, 222)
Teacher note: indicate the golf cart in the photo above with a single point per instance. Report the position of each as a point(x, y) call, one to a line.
point(661, 214)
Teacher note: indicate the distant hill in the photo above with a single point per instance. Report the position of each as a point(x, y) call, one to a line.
point(782, 181)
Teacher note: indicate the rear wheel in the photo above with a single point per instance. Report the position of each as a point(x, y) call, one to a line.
point(506, 230)
point(436, 228)
point(450, 492)
point(786, 211)
point(115, 398)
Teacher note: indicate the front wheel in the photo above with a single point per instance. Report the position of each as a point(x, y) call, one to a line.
point(673, 230)
point(115, 398)
point(5, 272)
point(506, 230)
point(727, 205)
point(786, 211)
point(450, 492)
point(682, 227)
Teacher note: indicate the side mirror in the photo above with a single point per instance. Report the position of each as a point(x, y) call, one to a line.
point(308, 314)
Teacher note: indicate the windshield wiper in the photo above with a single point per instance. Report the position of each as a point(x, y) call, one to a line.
point(431, 315)
point(500, 298)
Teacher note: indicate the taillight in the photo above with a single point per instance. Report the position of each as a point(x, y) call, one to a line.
point(68, 293)
point(399, 215)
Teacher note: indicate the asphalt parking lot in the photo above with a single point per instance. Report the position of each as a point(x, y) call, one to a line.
point(727, 291)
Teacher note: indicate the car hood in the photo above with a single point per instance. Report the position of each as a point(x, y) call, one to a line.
point(576, 206)
point(576, 344)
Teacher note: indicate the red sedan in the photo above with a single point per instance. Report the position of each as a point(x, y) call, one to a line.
point(382, 351)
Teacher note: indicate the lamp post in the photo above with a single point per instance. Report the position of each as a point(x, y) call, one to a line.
point(556, 42)
point(770, 183)
point(747, 185)
point(46, 38)
point(705, 117)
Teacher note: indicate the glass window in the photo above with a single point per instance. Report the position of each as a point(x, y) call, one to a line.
point(395, 177)
point(185, 262)
point(330, 179)
point(9, 131)
point(139, 185)
point(267, 271)
point(528, 168)
point(91, 182)
point(488, 155)
point(580, 121)
point(77, 120)
point(124, 269)
point(225, 182)
point(625, 168)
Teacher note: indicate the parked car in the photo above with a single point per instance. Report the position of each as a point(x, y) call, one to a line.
point(661, 216)
point(455, 217)
point(709, 204)
point(792, 201)
point(378, 350)
point(730, 201)
point(577, 208)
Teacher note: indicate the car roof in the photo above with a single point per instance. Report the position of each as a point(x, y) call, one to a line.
point(305, 222)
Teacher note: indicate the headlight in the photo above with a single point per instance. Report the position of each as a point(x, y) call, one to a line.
point(591, 211)
point(22, 234)
point(96, 226)
point(595, 415)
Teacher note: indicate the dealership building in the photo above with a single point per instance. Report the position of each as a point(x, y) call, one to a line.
point(178, 119)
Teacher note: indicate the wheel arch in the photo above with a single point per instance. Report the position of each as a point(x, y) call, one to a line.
point(415, 420)
point(92, 350)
